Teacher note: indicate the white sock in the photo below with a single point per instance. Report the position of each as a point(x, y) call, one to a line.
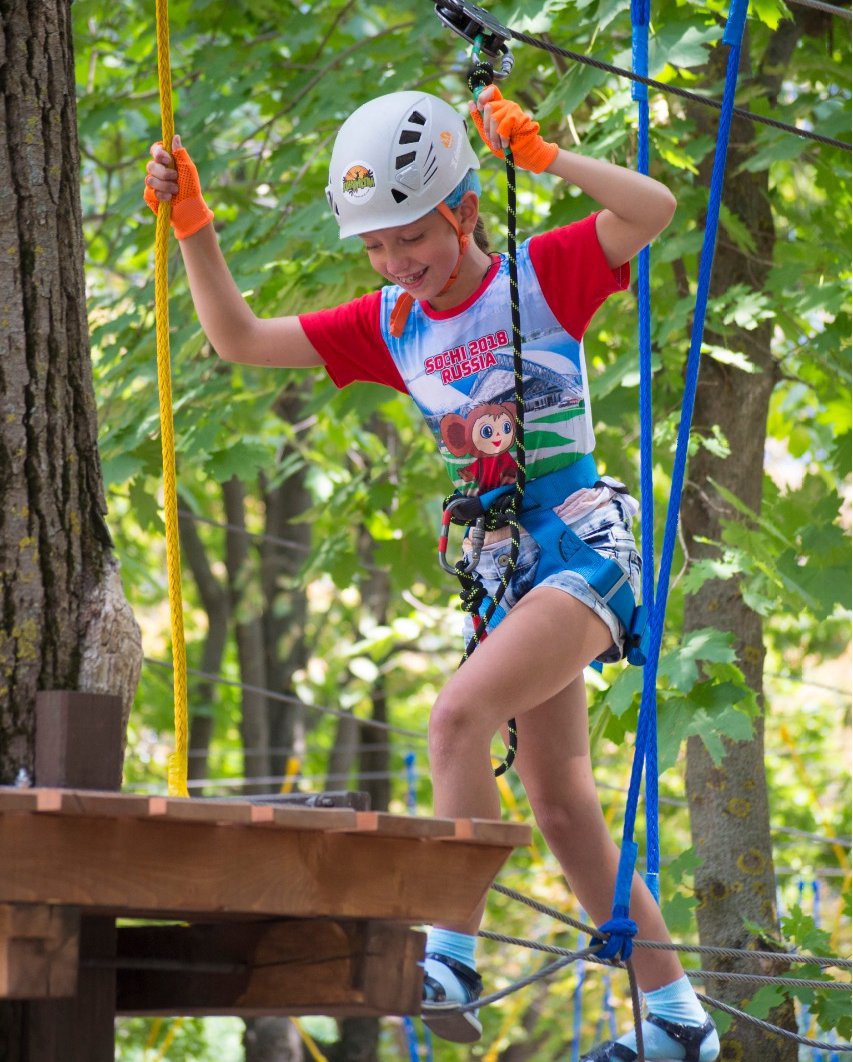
point(674, 1002)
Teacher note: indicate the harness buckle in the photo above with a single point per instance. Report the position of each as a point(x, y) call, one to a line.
point(638, 637)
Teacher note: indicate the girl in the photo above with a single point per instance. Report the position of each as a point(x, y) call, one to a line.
point(403, 179)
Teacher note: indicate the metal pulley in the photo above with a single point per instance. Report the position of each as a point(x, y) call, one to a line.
point(479, 29)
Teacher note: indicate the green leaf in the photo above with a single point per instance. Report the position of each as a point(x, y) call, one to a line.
point(243, 459)
point(680, 46)
point(765, 1000)
point(801, 929)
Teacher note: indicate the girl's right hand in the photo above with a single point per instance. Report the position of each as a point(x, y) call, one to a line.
point(174, 178)
point(501, 123)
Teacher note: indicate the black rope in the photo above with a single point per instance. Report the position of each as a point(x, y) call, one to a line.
point(819, 5)
point(505, 512)
point(693, 97)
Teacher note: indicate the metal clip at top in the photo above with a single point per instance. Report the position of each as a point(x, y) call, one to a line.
point(477, 26)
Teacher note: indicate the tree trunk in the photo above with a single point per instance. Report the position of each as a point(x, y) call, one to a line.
point(250, 642)
point(65, 621)
point(728, 804)
point(272, 1040)
point(285, 601)
point(359, 1041)
point(217, 606)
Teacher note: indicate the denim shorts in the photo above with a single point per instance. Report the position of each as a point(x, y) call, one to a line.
point(607, 529)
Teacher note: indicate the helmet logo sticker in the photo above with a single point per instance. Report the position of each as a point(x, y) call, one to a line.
point(358, 183)
point(446, 138)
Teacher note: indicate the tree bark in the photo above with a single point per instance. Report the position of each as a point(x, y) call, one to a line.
point(217, 606)
point(729, 812)
point(285, 602)
point(254, 728)
point(64, 621)
point(272, 1040)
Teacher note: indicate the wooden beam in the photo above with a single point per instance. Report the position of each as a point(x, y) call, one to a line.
point(79, 1029)
point(38, 951)
point(163, 865)
point(78, 743)
point(282, 967)
point(78, 740)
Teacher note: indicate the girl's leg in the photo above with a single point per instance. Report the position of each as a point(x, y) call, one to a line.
point(538, 650)
point(554, 764)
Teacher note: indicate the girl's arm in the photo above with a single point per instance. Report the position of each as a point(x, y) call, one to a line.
point(636, 207)
point(228, 322)
point(234, 331)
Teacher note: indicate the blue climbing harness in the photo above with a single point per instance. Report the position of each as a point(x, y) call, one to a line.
point(562, 550)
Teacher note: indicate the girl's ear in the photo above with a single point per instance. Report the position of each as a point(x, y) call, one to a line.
point(468, 211)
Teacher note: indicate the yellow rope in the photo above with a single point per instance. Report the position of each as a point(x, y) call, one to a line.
point(313, 1050)
point(178, 759)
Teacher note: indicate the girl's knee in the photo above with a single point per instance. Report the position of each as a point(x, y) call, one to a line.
point(564, 816)
point(452, 723)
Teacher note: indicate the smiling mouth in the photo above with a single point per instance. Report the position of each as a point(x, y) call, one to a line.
point(411, 279)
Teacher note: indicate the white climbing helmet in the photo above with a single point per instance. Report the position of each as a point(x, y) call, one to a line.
point(395, 159)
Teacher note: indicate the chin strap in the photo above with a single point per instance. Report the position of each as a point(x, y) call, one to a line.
point(400, 313)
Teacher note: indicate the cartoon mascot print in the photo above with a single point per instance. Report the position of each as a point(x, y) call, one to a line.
point(487, 434)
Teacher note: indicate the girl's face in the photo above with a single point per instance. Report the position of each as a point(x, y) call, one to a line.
point(419, 257)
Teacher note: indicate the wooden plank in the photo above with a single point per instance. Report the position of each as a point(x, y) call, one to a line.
point(414, 826)
point(297, 818)
point(38, 951)
point(162, 868)
point(290, 967)
point(490, 831)
point(209, 811)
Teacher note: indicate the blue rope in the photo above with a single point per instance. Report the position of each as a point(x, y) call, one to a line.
point(412, 1038)
point(732, 37)
point(640, 14)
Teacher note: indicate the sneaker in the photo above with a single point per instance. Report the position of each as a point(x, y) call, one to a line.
point(458, 983)
point(693, 1038)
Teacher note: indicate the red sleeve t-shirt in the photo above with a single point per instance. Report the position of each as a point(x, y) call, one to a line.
point(572, 272)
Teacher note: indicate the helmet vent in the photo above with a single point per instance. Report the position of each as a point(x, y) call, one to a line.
point(404, 160)
point(431, 165)
point(417, 118)
point(410, 136)
point(399, 197)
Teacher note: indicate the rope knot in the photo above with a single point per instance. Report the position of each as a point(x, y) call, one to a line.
point(619, 943)
point(480, 75)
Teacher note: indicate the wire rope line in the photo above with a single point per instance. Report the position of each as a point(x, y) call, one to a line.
point(819, 5)
point(589, 954)
point(695, 975)
point(700, 949)
point(820, 1045)
point(523, 982)
point(177, 771)
point(286, 698)
point(276, 779)
point(675, 90)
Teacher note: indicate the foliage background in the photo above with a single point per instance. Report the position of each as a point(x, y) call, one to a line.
point(260, 89)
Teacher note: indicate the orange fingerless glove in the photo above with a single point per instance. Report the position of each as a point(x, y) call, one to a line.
point(529, 149)
point(189, 210)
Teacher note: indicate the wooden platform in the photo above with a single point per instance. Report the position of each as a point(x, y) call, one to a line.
point(281, 910)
